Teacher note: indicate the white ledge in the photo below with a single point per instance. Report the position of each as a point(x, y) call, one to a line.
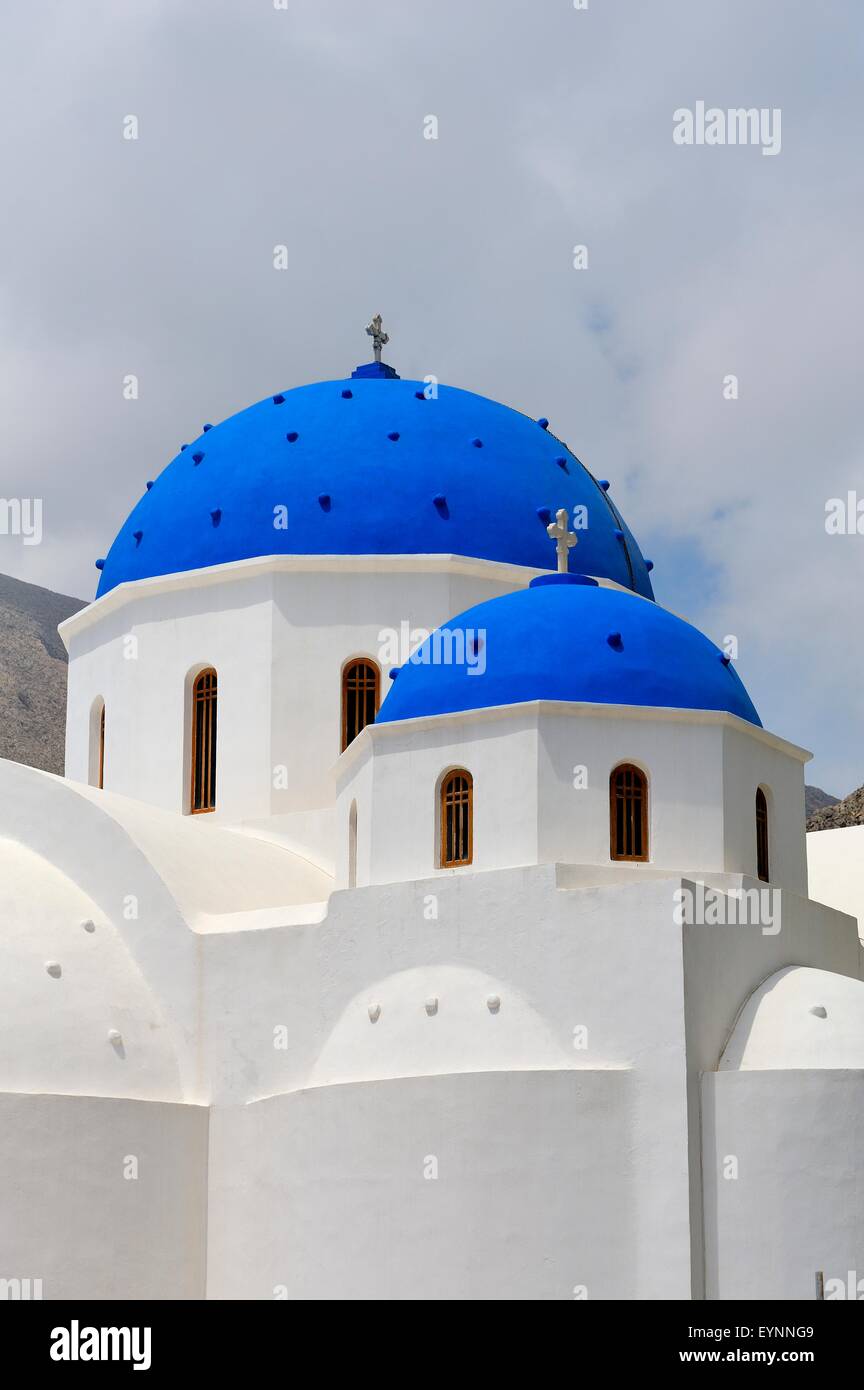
point(518, 576)
point(374, 733)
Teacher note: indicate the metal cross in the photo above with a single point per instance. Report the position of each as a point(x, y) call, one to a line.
point(379, 338)
point(564, 539)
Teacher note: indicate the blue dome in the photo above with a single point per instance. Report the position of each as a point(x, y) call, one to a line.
point(566, 639)
point(371, 467)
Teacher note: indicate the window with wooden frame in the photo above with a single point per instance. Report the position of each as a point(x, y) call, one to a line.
point(100, 770)
point(96, 749)
point(762, 866)
point(457, 819)
point(203, 789)
point(628, 814)
point(361, 689)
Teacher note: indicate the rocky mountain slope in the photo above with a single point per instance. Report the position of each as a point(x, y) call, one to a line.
point(815, 800)
point(32, 673)
point(849, 811)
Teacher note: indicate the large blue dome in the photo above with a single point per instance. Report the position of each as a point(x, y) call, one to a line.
point(562, 639)
point(371, 466)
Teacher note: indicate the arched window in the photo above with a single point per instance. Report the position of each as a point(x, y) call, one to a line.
point(101, 769)
point(96, 751)
point(761, 835)
point(352, 846)
point(361, 685)
point(203, 790)
point(457, 819)
point(628, 813)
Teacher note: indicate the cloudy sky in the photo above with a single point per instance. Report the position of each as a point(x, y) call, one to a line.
point(301, 122)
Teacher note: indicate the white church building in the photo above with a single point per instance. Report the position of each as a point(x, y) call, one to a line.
point(424, 913)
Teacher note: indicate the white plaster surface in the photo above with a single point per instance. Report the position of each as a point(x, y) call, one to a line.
point(795, 1206)
point(535, 1190)
point(835, 860)
point(55, 1026)
point(800, 1019)
point(278, 632)
point(541, 790)
point(71, 1217)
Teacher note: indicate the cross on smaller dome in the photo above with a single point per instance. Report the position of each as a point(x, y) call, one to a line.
point(563, 538)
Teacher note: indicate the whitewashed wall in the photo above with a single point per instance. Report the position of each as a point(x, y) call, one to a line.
point(395, 775)
point(485, 1185)
point(138, 656)
point(583, 1000)
point(278, 632)
point(835, 860)
point(702, 771)
point(749, 763)
point(103, 1198)
point(794, 1207)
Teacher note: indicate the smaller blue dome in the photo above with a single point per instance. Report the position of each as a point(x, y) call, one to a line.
point(566, 638)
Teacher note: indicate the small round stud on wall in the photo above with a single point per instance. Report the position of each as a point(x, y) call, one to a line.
point(431, 1006)
point(493, 1003)
point(374, 1012)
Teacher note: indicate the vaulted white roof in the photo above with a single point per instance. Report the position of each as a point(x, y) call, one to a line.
point(799, 1019)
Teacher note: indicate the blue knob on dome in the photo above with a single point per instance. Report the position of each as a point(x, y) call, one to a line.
point(292, 436)
point(619, 534)
point(614, 640)
point(394, 435)
point(206, 428)
point(216, 515)
point(440, 501)
point(279, 400)
point(393, 672)
point(649, 565)
point(478, 443)
point(138, 537)
point(420, 396)
point(149, 484)
point(100, 564)
point(347, 394)
point(183, 446)
point(324, 501)
point(562, 463)
point(543, 422)
point(544, 514)
point(541, 581)
point(197, 457)
point(604, 483)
